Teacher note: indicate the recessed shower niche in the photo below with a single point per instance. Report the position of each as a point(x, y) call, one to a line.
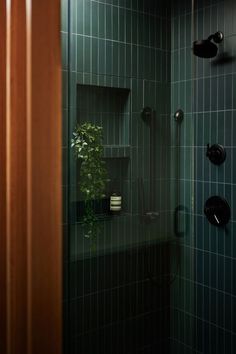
point(108, 107)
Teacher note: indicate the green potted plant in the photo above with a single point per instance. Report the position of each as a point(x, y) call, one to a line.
point(87, 144)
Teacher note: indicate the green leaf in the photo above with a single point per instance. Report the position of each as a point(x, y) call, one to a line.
point(87, 144)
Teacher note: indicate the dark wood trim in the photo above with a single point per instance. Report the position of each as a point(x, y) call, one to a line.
point(31, 178)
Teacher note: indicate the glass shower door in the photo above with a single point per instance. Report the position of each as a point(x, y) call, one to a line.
point(128, 178)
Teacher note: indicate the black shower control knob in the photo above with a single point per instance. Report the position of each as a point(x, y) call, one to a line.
point(216, 154)
point(213, 154)
point(217, 211)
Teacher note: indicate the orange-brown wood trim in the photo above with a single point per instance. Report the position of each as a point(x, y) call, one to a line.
point(16, 175)
point(31, 174)
point(46, 178)
point(3, 177)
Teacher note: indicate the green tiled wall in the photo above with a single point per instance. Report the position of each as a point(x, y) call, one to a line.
point(182, 333)
point(205, 298)
point(123, 46)
point(118, 51)
point(144, 47)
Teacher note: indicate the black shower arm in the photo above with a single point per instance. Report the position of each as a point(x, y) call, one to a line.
point(211, 37)
point(217, 37)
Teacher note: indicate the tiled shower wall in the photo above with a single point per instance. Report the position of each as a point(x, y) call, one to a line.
point(133, 51)
point(119, 44)
point(123, 45)
point(207, 324)
point(182, 289)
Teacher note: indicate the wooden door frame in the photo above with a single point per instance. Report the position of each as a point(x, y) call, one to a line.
point(2, 177)
point(30, 177)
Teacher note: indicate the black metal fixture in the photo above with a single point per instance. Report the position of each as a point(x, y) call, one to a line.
point(147, 113)
point(179, 115)
point(148, 212)
point(217, 211)
point(216, 154)
point(181, 229)
point(205, 48)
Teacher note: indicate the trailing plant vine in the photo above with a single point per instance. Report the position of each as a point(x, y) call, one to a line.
point(87, 144)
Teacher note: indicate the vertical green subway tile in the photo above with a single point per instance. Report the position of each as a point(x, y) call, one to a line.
point(188, 55)
point(87, 17)
point(152, 63)
point(134, 29)
point(87, 78)
point(110, 134)
point(95, 50)
point(80, 16)
point(128, 63)
point(109, 26)
point(134, 130)
point(115, 23)
point(87, 54)
point(134, 61)
point(80, 54)
point(64, 48)
point(141, 62)
point(102, 57)
point(122, 23)
point(109, 60)
point(163, 66)
point(140, 5)
point(152, 26)
point(189, 96)
point(128, 26)
point(95, 19)
point(115, 58)
point(73, 52)
point(183, 64)
point(127, 130)
point(182, 95)
point(73, 83)
point(65, 165)
point(158, 61)
point(122, 59)
point(146, 29)
point(158, 33)
point(64, 128)
point(101, 20)
point(65, 89)
point(140, 29)
point(73, 121)
point(73, 16)
point(65, 204)
point(64, 16)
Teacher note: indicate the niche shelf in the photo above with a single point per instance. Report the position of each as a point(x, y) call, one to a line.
point(116, 151)
point(101, 209)
point(108, 107)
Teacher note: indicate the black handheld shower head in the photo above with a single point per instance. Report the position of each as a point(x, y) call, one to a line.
point(205, 48)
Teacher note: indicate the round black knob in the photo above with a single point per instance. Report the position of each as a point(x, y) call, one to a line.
point(217, 211)
point(216, 154)
point(179, 115)
point(218, 37)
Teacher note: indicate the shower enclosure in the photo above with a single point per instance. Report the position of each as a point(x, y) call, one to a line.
point(148, 140)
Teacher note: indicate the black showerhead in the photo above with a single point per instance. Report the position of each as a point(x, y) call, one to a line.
point(205, 48)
